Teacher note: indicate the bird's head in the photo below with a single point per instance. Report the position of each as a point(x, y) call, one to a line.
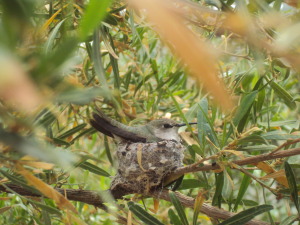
point(165, 129)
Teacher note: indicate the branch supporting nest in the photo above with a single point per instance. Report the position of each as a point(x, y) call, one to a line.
point(94, 197)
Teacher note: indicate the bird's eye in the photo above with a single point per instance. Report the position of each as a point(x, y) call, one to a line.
point(166, 125)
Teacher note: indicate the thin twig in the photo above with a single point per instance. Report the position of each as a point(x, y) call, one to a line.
point(250, 160)
point(287, 143)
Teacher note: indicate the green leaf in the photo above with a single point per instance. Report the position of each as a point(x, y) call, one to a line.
point(143, 215)
point(173, 217)
point(81, 96)
point(97, 60)
point(282, 93)
point(279, 135)
point(107, 150)
point(245, 105)
point(289, 220)
point(60, 142)
point(18, 181)
point(246, 215)
point(85, 132)
point(94, 169)
point(205, 126)
point(260, 99)
point(293, 123)
point(50, 41)
point(178, 208)
point(203, 129)
point(254, 138)
point(242, 111)
point(177, 183)
point(257, 148)
point(72, 131)
point(94, 14)
point(114, 63)
point(47, 208)
point(292, 184)
point(243, 188)
point(219, 187)
point(190, 184)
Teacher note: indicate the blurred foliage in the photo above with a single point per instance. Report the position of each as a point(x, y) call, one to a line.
point(61, 58)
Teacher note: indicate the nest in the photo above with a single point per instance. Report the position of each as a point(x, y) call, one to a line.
point(142, 166)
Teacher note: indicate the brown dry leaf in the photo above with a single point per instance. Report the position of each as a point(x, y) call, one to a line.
point(276, 174)
point(269, 170)
point(45, 189)
point(199, 56)
point(16, 88)
point(199, 200)
point(155, 205)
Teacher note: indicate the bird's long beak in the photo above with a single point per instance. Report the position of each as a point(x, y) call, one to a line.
point(184, 124)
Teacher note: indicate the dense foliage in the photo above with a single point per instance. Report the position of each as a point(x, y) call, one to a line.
point(60, 59)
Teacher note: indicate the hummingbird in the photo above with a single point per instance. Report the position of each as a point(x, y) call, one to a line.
point(154, 131)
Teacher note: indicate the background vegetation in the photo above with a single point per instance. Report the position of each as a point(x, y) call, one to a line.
point(61, 58)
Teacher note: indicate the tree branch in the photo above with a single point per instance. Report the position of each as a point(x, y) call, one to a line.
point(250, 160)
point(94, 198)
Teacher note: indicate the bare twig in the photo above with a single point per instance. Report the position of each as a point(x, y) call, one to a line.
point(250, 160)
point(287, 143)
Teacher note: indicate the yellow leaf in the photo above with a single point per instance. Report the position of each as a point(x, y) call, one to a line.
point(129, 218)
point(50, 20)
point(199, 202)
point(269, 170)
point(186, 136)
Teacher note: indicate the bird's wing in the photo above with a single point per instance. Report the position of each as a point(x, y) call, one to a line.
point(105, 125)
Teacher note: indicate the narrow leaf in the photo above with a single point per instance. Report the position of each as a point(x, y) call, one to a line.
point(178, 208)
point(72, 131)
point(292, 184)
point(289, 220)
point(94, 169)
point(143, 215)
point(243, 188)
point(173, 217)
point(219, 187)
point(94, 14)
point(282, 93)
point(197, 206)
point(246, 215)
